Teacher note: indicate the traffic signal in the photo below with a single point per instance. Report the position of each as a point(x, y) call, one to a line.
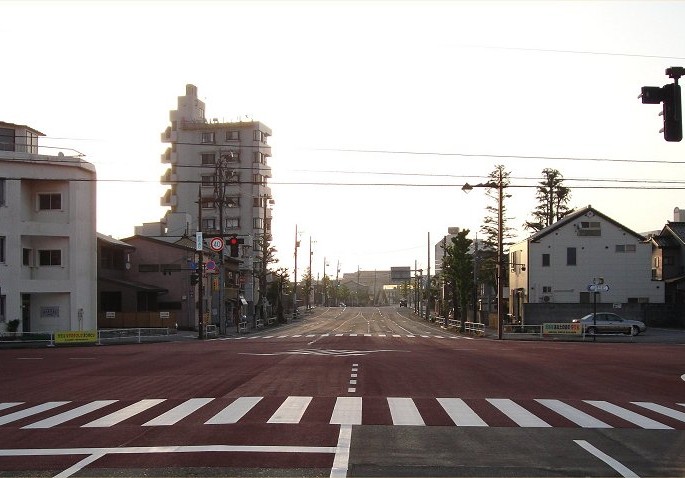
point(234, 242)
point(672, 112)
point(194, 278)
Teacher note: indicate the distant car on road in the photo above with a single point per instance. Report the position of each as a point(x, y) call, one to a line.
point(607, 322)
point(403, 302)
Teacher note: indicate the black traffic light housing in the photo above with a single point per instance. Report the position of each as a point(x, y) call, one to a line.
point(194, 278)
point(233, 242)
point(669, 95)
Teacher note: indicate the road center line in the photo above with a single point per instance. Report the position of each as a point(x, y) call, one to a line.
point(616, 465)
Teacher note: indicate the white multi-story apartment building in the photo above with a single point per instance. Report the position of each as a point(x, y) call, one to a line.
point(224, 167)
point(48, 273)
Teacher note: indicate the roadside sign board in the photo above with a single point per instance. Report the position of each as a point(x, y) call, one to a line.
point(598, 287)
point(561, 329)
point(216, 244)
point(198, 241)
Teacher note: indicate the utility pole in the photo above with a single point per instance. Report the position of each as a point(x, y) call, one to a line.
point(200, 267)
point(220, 173)
point(297, 244)
point(311, 275)
point(428, 280)
point(500, 255)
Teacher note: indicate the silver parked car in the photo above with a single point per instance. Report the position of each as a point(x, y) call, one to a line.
point(607, 322)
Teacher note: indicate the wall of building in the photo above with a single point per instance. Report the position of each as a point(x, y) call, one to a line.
point(65, 293)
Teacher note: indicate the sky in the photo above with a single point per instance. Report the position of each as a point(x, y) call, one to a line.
point(380, 111)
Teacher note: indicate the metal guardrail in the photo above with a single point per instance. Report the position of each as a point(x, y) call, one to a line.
point(104, 336)
point(522, 329)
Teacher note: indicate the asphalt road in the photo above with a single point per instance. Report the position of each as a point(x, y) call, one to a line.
point(345, 392)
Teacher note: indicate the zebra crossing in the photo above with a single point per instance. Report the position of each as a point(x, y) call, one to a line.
point(317, 336)
point(346, 410)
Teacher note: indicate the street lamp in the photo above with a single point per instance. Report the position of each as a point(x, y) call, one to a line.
point(500, 253)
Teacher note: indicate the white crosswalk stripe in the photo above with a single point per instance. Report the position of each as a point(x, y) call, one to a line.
point(291, 410)
point(517, 413)
point(628, 415)
point(347, 411)
point(461, 414)
point(20, 414)
point(578, 417)
point(71, 414)
point(124, 414)
point(669, 412)
point(403, 411)
point(178, 413)
point(235, 411)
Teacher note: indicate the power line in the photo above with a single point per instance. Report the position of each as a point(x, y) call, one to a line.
point(500, 156)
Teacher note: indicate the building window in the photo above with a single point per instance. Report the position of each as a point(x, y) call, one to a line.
point(2, 249)
point(3, 184)
point(233, 176)
point(545, 260)
point(51, 201)
point(208, 159)
point(6, 139)
point(232, 223)
point(26, 257)
point(208, 180)
point(232, 135)
point(208, 137)
point(51, 257)
point(233, 201)
point(546, 289)
point(590, 228)
point(626, 248)
point(259, 158)
point(257, 223)
point(656, 261)
point(208, 203)
point(231, 157)
point(570, 256)
point(209, 224)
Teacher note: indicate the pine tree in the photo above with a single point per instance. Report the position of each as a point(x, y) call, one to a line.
point(552, 197)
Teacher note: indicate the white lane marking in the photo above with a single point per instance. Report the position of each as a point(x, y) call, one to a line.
point(353, 375)
point(123, 414)
point(353, 335)
point(6, 405)
point(404, 412)
point(18, 415)
point(632, 417)
point(342, 453)
point(410, 336)
point(682, 376)
point(75, 468)
point(517, 413)
point(355, 365)
point(616, 465)
point(347, 411)
point(234, 412)
point(381, 335)
point(178, 413)
point(351, 390)
point(669, 412)
point(461, 414)
point(297, 335)
point(310, 336)
point(353, 382)
point(339, 335)
point(71, 414)
point(578, 417)
point(396, 335)
point(291, 410)
point(95, 453)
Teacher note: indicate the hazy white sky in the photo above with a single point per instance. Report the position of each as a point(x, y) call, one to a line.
point(477, 83)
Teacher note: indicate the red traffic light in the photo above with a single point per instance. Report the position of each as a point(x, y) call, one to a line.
point(233, 241)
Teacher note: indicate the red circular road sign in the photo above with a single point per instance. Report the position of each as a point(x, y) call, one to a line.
point(216, 244)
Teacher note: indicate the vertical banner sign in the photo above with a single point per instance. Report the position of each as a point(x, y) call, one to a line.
point(198, 241)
